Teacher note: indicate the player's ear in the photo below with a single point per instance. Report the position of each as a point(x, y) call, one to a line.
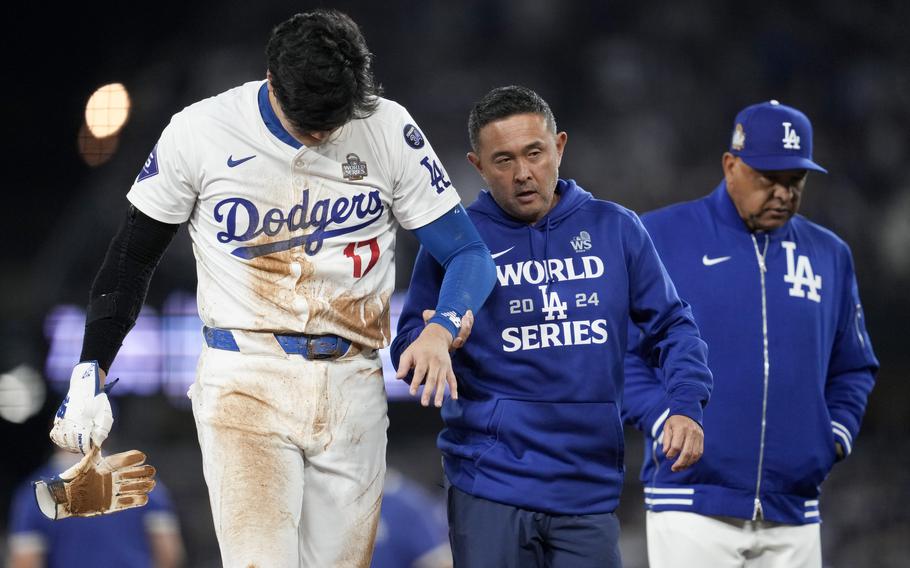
point(561, 140)
point(475, 161)
point(728, 162)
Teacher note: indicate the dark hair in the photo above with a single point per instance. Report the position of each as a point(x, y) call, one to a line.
point(504, 102)
point(320, 69)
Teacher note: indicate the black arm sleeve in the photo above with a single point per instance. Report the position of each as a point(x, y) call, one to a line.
point(122, 283)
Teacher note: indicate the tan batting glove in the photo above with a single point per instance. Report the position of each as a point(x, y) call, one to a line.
point(84, 418)
point(97, 486)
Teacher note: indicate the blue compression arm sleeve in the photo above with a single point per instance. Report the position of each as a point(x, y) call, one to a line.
point(470, 272)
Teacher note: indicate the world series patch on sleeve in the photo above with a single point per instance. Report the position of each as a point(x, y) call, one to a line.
point(97, 485)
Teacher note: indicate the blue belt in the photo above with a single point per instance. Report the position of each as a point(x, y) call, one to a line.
point(313, 347)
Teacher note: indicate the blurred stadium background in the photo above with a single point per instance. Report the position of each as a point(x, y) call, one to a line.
point(646, 91)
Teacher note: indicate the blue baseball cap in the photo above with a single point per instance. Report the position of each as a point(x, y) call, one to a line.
point(771, 136)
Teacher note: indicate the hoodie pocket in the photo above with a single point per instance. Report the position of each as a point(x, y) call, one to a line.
point(573, 439)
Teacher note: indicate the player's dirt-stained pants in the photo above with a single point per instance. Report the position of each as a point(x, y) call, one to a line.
point(293, 453)
point(683, 539)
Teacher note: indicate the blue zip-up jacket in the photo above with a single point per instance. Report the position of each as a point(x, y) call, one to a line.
point(792, 362)
point(537, 422)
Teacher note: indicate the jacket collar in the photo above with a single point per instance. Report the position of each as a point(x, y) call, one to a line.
point(723, 208)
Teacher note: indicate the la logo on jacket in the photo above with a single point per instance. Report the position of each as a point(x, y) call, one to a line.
point(800, 273)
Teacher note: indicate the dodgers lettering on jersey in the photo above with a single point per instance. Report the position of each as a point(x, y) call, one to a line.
point(288, 237)
point(242, 221)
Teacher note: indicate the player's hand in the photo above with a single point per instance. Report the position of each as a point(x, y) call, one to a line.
point(84, 418)
point(429, 357)
point(683, 437)
point(467, 323)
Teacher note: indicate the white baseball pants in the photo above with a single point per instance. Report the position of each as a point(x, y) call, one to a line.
point(682, 539)
point(293, 453)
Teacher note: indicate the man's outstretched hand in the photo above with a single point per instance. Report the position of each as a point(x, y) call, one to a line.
point(429, 357)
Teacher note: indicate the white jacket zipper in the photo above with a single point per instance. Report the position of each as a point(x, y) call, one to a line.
point(757, 513)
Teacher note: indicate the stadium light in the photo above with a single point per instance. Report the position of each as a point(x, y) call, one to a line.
point(107, 110)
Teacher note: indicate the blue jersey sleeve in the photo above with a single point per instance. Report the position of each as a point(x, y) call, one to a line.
point(453, 241)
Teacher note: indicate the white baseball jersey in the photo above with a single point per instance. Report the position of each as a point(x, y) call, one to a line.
point(290, 238)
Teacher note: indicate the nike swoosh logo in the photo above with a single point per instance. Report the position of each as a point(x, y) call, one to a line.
point(498, 254)
point(712, 261)
point(232, 163)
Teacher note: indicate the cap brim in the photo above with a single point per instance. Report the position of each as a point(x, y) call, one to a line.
point(777, 163)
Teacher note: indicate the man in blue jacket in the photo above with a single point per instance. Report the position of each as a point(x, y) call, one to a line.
point(776, 300)
point(533, 446)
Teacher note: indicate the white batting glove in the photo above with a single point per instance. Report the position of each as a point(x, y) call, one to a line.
point(84, 418)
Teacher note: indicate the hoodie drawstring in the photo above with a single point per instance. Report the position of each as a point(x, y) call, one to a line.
point(546, 251)
point(546, 254)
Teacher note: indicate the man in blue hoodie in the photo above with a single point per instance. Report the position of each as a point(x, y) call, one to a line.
point(533, 446)
point(776, 300)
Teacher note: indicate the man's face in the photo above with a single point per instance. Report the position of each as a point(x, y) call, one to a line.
point(765, 200)
point(519, 158)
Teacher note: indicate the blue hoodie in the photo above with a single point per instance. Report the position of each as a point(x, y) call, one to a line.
point(792, 362)
point(537, 422)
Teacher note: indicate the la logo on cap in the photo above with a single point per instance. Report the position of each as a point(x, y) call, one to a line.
point(791, 140)
point(774, 137)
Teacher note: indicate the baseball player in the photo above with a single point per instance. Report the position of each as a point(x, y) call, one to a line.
point(533, 447)
point(776, 300)
point(293, 188)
